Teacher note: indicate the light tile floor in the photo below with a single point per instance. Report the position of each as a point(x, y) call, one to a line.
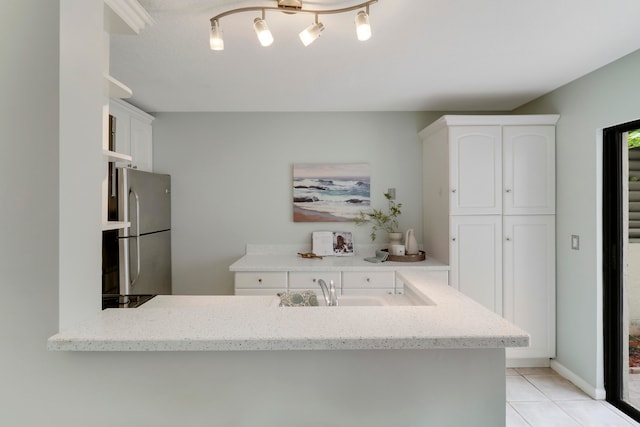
point(539, 397)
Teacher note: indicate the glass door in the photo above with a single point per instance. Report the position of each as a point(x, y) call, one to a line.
point(621, 273)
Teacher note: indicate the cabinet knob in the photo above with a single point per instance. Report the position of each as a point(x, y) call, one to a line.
point(453, 239)
point(453, 190)
point(508, 239)
point(314, 280)
point(260, 280)
point(508, 190)
point(367, 279)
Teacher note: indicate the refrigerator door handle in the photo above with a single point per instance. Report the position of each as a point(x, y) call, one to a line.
point(138, 237)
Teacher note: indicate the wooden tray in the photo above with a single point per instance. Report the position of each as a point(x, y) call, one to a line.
point(420, 256)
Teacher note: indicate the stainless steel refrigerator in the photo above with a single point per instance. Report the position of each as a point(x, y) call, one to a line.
point(144, 248)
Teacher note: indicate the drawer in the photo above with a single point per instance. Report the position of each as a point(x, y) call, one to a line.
point(368, 280)
point(260, 280)
point(265, 291)
point(360, 291)
point(309, 280)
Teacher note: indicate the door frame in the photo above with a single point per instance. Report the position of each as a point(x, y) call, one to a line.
point(613, 263)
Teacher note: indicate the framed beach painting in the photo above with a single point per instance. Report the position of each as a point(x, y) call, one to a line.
point(330, 192)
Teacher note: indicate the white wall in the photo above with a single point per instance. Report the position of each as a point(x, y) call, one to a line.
point(82, 166)
point(232, 180)
point(606, 97)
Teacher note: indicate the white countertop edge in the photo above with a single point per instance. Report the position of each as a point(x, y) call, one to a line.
point(289, 345)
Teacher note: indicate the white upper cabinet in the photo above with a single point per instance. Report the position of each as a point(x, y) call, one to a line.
point(494, 164)
point(476, 172)
point(529, 170)
point(134, 135)
point(141, 144)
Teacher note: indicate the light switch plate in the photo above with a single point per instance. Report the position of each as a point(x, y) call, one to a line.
point(575, 242)
point(392, 193)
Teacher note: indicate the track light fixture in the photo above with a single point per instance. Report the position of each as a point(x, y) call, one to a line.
point(311, 33)
point(262, 31)
point(363, 29)
point(307, 36)
point(215, 39)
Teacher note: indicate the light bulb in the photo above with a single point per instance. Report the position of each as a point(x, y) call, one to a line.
point(262, 31)
point(215, 39)
point(311, 33)
point(363, 29)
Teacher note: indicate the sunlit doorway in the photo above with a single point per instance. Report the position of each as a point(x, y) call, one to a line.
point(631, 257)
point(621, 262)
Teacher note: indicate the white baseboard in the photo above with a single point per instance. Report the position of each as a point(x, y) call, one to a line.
point(595, 393)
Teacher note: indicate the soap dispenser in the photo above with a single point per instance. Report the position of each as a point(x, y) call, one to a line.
point(410, 244)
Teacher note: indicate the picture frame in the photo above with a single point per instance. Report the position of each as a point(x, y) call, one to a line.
point(332, 243)
point(342, 243)
point(330, 192)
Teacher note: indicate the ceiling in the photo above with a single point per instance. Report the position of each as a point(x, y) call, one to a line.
point(424, 55)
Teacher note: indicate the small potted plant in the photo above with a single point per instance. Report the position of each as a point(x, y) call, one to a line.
point(385, 221)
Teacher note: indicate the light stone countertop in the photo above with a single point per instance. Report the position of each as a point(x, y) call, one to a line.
point(232, 323)
point(287, 262)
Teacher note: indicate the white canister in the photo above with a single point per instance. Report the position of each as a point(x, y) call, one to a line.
point(397, 250)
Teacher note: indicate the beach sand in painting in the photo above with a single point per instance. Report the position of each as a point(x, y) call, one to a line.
point(306, 215)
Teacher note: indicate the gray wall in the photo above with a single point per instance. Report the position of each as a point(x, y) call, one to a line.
point(606, 97)
point(232, 175)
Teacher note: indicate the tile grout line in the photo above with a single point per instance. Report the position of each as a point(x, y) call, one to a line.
point(555, 402)
point(545, 395)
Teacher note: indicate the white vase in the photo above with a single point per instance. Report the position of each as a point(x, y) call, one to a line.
point(395, 238)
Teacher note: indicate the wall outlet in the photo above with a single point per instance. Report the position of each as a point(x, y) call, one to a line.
point(575, 242)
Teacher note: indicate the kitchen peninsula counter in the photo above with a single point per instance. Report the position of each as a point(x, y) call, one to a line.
point(228, 323)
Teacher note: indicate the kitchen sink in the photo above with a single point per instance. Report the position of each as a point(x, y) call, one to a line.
point(381, 300)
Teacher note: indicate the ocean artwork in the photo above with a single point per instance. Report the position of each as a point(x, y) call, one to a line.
point(330, 192)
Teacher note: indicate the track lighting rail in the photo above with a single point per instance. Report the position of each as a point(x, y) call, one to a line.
point(292, 9)
point(307, 36)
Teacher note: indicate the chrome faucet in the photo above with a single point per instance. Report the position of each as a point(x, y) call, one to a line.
point(330, 295)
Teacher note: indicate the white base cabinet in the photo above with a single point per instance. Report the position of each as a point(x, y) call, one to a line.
point(529, 281)
point(260, 283)
point(489, 212)
point(345, 282)
point(476, 258)
point(303, 280)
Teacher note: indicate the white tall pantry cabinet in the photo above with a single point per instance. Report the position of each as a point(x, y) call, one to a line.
point(489, 212)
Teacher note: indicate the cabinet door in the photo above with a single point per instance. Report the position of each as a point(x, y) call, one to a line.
point(529, 281)
point(475, 170)
point(476, 258)
point(529, 170)
point(141, 144)
point(123, 130)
